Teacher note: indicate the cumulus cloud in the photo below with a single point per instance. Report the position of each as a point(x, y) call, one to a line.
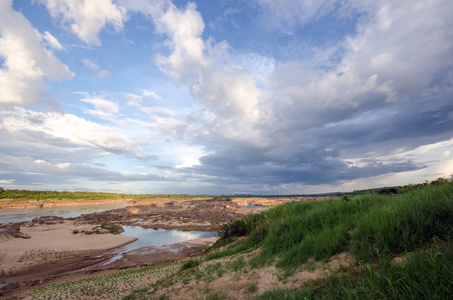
point(69, 128)
point(387, 92)
point(87, 18)
point(365, 107)
point(202, 64)
point(27, 63)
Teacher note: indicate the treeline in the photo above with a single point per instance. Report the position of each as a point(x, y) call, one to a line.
point(395, 190)
point(41, 195)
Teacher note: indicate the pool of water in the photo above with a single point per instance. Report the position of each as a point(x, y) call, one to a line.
point(20, 215)
point(158, 237)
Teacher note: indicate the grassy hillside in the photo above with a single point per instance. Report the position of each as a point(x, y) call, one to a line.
point(400, 248)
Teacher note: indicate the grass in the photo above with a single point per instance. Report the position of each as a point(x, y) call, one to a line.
point(427, 275)
point(293, 233)
point(108, 286)
point(191, 263)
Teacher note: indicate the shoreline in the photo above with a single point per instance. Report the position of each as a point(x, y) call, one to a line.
point(53, 243)
point(19, 204)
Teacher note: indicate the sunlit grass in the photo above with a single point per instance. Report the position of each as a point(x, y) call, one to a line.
point(293, 233)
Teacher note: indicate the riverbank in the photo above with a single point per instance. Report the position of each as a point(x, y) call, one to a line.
point(43, 244)
point(44, 252)
point(17, 204)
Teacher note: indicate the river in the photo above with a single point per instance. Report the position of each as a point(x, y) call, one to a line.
point(146, 236)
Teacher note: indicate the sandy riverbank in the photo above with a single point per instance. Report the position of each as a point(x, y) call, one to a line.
point(52, 244)
point(53, 252)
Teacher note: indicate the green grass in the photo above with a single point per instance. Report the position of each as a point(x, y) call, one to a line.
point(191, 263)
point(113, 285)
point(293, 233)
point(426, 275)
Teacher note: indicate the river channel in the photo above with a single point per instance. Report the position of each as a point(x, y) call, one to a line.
point(146, 236)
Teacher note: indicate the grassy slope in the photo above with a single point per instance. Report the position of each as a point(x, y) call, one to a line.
point(374, 229)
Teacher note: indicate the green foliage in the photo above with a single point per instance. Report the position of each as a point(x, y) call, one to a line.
point(398, 225)
point(295, 232)
point(191, 263)
point(44, 195)
point(238, 263)
point(393, 190)
point(426, 275)
point(113, 228)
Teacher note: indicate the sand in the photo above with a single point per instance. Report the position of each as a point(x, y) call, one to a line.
point(53, 243)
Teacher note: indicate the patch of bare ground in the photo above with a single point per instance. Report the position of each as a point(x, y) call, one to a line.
point(221, 277)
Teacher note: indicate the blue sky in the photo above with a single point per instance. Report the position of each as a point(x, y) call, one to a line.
point(220, 97)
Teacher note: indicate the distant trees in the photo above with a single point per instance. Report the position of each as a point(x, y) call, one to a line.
point(41, 195)
point(394, 190)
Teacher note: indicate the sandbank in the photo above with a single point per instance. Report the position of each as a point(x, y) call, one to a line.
point(53, 243)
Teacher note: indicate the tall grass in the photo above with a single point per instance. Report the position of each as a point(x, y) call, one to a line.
point(365, 226)
point(399, 224)
point(426, 275)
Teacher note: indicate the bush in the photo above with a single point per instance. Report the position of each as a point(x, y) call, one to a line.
point(191, 263)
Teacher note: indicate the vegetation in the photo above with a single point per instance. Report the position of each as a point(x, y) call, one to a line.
point(106, 286)
point(112, 228)
point(292, 233)
point(44, 195)
point(425, 275)
point(401, 248)
point(396, 189)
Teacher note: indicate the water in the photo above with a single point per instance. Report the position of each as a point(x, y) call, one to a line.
point(146, 236)
point(21, 215)
point(158, 237)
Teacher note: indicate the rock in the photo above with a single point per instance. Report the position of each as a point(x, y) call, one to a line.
point(22, 235)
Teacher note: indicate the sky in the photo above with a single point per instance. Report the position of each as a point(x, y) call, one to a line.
point(225, 97)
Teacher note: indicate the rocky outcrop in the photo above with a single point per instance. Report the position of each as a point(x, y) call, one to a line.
point(193, 214)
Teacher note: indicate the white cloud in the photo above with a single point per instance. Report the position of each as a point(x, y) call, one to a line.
point(93, 66)
point(7, 181)
point(90, 64)
point(52, 41)
point(228, 92)
point(285, 15)
point(70, 128)
point(102, 105)
point(404, 42)
point(184, 29)
point(86, 18)
point(151, 94)
point(26, 62)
